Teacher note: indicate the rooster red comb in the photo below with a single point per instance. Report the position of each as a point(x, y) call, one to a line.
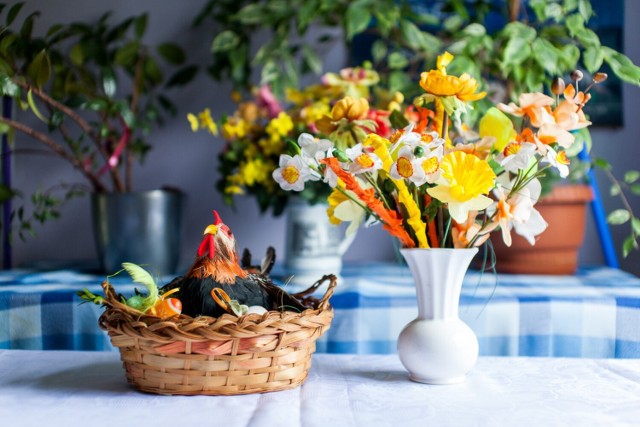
point(217, 221)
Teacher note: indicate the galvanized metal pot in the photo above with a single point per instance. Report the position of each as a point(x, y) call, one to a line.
point(143, 228)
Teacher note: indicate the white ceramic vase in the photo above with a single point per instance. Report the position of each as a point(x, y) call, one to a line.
point(437, 347)
point(314, 247)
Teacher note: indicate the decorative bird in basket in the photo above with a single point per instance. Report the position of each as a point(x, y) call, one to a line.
point(216, 283)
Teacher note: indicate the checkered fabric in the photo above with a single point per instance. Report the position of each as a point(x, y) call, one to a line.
point(594, 314)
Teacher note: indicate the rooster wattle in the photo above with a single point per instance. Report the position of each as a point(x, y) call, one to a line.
point(217, 266)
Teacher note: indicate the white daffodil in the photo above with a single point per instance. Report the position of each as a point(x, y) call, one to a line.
point(362, 161)
point(311, 146)
point(408, 166)
point(329, 176)
point(558, 160)
point(430, 164)
point(516, 156)
point(404, 136)
point(293, 173)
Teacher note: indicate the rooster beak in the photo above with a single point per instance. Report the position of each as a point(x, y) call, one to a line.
point(211, 229)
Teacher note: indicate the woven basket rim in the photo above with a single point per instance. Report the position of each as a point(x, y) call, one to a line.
point(122, 319)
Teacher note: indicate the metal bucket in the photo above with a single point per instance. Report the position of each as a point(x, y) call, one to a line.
point(143, 228)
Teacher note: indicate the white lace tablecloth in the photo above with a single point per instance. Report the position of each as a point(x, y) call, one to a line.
point(50, 388)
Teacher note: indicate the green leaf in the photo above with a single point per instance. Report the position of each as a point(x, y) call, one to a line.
point(172, 53)
point(225, 41)
point(397, 61)
point(140, 25)
point(378, 50)
point(585, 9)
point(618, 217)
point(615, 190)
point(411, 34)
point(546, 55)
point(6, 193)
point(356, 20)
point(152, 71)
point(39, 70)
point(629, 245)
point(602, 164)
point(520, 31)
point(635, 225)
point(575, 24)
point(251, 14)
point(109, 82)
point(516, 51)
point(126, 55)
point(588, 38)
point(8, 87)
point(183, 76)
point(311, 59)
point(453, 23)
point(13, 13)
point(34, 107)
point(76, 54)
point(398, 120)
point(592, 59)
point(631, 176)
point(475, 30)
point(635, 189)
point(553, 11)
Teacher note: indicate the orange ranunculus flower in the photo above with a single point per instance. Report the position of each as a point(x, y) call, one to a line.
point(350, 109)
point(464, 87)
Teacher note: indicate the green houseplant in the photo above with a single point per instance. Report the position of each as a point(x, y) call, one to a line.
point(90, 94)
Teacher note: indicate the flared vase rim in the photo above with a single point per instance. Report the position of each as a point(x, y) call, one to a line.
point(408, 250)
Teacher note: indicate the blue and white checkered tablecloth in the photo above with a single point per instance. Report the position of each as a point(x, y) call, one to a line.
point(595, 313)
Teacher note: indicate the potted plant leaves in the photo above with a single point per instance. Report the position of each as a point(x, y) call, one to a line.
point(97, 90)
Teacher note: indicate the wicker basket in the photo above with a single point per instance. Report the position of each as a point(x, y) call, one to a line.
point(218, 356)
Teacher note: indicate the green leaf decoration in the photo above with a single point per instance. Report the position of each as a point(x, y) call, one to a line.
point(237, 308)
point(225, 41)
point(182, 76)
point(592, 59)
point(618, 217)
point(635, 225)
point(398, 120)
point(139, 275)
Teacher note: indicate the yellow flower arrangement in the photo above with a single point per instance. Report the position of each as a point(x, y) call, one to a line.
point(260, 128)
point(435, 183)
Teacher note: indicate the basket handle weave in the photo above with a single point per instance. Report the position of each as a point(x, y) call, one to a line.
point(324, 302)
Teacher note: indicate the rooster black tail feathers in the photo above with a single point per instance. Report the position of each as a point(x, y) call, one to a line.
point(268, 260)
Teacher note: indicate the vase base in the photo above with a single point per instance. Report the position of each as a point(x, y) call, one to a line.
point(438, 381)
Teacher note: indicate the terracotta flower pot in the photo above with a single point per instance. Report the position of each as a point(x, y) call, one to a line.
point(556, 250)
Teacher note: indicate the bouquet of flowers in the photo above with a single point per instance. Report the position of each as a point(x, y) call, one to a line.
point(435, 183)
point(257, 132)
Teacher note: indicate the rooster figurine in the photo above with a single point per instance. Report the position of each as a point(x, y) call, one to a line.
point(216, 272)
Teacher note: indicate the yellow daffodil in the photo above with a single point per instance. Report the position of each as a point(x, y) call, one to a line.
point(497, 125)
point(463, 185)
point(344, 209)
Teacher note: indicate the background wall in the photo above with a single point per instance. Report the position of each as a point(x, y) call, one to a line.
point(187, 160)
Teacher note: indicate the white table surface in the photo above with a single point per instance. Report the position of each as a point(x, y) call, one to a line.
point(54, 388)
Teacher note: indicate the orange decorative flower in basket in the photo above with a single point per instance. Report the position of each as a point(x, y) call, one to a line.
point(226, 355)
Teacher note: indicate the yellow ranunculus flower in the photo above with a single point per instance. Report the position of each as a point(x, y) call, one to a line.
point(464, 87)
point(350, 109)
point(496, 124)
point(335, 198)
point(234, 128)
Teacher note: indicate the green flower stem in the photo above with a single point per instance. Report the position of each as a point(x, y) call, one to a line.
point(377, 188)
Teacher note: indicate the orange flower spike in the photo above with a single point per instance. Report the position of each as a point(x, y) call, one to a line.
point(431, 226)
point(392, 223)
